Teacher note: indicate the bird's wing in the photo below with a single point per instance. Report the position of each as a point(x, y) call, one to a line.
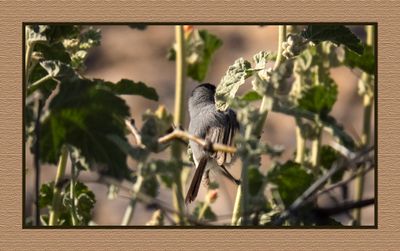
point(223, 135)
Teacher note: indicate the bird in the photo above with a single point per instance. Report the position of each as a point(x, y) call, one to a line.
point(215, 126)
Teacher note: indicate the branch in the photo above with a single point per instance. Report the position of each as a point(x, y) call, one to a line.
point(131, 126)
point(179, 134)
point(344, 207)
point(304, 198)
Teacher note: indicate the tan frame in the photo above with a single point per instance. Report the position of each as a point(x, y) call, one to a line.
point(14, 13)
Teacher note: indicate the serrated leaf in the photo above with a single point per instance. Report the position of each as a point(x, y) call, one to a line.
point(199, 68)
point(319, 98)
point(84, 203)
point(234, 77)
point(291, 181)
point(82, 115)
point(365, 62)
point(129, 87)
point(338, 34)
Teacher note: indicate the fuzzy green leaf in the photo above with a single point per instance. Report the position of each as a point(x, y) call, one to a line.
point(291, 181)
point(234, 77)
point(338, 34)
point(199, 68)
point(365, 62)
point(129, 87)
point(319, 98)
point(82, 115)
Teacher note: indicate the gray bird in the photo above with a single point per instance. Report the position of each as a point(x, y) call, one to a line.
point(214, 126)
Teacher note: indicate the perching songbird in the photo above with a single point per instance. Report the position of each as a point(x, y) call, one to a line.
point(212, 125)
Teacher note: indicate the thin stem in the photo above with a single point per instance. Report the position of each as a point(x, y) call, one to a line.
point(315, 151)
point(37, 161)
point(56, 203)
point(255, 130)
point(368, 97)
point(203, 210)
point(74, 216)
point(237, 207)
point(300, 145)
point(179, 119)
point(39, 82)
point(28, 57)
point(130, 210)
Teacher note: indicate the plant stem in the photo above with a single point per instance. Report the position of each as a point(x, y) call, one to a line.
point(203, 210)
point(28, 57)
point(178, 121)
point(315, 151)
point(300, 144)
point(72, 185)
point(255, 130)
point(130, 210)
point(56, 203)
point(39, 82)
point(368, 97)
point(237, 207)
point(37, 161)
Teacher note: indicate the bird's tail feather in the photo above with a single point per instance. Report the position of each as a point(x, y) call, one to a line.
point(195, 185)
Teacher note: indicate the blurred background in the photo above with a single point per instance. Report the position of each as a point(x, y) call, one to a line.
point(140, 55)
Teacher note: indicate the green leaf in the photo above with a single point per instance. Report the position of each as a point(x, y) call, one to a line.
point(338, 34)
point(82, 115)
point(328, 157)
point(230, 83)
point(365, 62)
point(199, 68)
point(319, 98)
point(129, 87)
point(55, 33)
point(251, 96)
point(291, 181)
point(255, 181)
point(135, 152)
point(86, 200)
point(46, 194)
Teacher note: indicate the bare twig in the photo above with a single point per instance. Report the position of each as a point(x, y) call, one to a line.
point(304, 198)
point(179, 134)
point(131, 126)
point(344, 207)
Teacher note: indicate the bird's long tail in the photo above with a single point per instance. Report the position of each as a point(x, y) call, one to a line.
point(195, 185)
